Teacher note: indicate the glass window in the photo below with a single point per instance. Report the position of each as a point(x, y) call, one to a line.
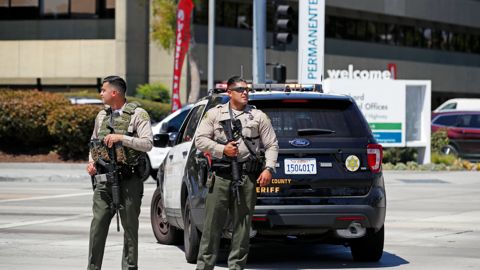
point(427, 37)
point(341, 117)
point(350, 29)
point(409, 38)
point(449, 106)
point(244, 16)
point(476, 44)
point(55, 8)
point(176, 122)
point(361, 30)
point(371, 32)
point(381, 35)
point(340, 28)
point(445, 43)
point(468, 43)
point(475, 122)
point(446, 120)
point(192, 124)
point(110, 4)
point(464, 120)
point(458, 42)
point(24, 3)
point(391, 37)
point(83, 7)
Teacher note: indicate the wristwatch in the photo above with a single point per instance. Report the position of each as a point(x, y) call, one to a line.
point(270, 169)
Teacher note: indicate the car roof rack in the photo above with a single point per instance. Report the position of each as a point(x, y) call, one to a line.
point(269, 87)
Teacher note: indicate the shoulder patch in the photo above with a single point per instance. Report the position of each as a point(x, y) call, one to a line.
point(144, 116)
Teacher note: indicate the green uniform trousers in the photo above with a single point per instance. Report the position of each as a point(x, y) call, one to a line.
point(218, 202)
point(131, 193)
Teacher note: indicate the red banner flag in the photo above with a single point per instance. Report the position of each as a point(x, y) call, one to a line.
point(182, 40)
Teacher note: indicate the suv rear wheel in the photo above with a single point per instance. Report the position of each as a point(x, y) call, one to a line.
point(368, 248)
point(165, 234)
point(191, 236)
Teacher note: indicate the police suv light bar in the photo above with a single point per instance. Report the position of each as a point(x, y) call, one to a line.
point(268, 87)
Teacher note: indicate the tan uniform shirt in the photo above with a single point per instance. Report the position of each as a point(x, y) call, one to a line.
point(140, 126)
point(255, 124)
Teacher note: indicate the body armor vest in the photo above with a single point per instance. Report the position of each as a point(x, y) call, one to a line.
point(125, 155)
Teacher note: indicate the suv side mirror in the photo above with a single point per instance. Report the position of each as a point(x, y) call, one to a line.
point(161, 139)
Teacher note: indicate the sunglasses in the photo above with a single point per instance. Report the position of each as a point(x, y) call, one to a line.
point(240, 89)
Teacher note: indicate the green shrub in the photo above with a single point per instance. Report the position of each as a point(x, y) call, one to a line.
point(397, 154)
point(154, 91)
point(156, 110)
point(439, 140)
point(72, 128)
point(23, 116)
point(400, 166)
point(388, 166)
point(439, 158)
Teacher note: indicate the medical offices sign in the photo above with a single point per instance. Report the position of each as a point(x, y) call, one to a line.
point(311, 39)
point(382, 102)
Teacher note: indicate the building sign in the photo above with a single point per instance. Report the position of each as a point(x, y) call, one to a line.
point(392, 67)
point(382, 102)
point(311, 39)
point(182, 40)
point(351, 73)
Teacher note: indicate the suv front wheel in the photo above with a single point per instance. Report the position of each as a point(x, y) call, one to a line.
point(165, 234)
point(368, 248)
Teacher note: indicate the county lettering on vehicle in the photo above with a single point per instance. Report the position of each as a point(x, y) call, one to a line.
point(274, 186)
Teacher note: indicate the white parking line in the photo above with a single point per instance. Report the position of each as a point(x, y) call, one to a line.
point(42, 221)
point(57, 196)
point(47, 197)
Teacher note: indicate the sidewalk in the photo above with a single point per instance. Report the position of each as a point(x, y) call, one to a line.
point(41, 172)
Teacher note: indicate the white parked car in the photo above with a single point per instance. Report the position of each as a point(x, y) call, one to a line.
point(85, 100)
point(459, 104)
point(169, 124)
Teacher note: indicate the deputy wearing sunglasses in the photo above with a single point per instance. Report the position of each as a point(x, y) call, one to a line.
point(251, 128)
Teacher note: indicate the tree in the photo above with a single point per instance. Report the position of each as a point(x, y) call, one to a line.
point(163, 34)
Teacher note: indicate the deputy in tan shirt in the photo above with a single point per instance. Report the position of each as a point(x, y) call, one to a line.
point(127, 127)
point(256, 130)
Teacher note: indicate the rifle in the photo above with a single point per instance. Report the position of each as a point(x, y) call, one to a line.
point(227, 127)
point(113, 168)
point(108, 163)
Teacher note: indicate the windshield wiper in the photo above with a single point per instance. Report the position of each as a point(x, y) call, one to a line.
point(314, 131)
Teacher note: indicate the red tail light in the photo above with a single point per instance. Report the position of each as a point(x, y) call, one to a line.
point(375, 156)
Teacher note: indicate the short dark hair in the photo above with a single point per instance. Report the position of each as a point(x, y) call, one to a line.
point(235, 79)
point(117, 82)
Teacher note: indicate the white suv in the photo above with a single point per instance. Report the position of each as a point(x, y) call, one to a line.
point(170, 124)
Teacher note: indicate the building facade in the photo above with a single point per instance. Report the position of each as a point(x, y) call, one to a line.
point(73, 43)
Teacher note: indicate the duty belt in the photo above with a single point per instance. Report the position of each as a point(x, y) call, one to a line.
point(125, 171)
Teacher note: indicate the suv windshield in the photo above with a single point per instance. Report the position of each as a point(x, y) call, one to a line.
point(323, 118)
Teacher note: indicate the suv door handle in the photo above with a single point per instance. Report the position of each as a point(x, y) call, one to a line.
point(170, 156)
point(184, 153)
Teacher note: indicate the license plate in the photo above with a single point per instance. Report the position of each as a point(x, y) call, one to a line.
point(300, 166)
